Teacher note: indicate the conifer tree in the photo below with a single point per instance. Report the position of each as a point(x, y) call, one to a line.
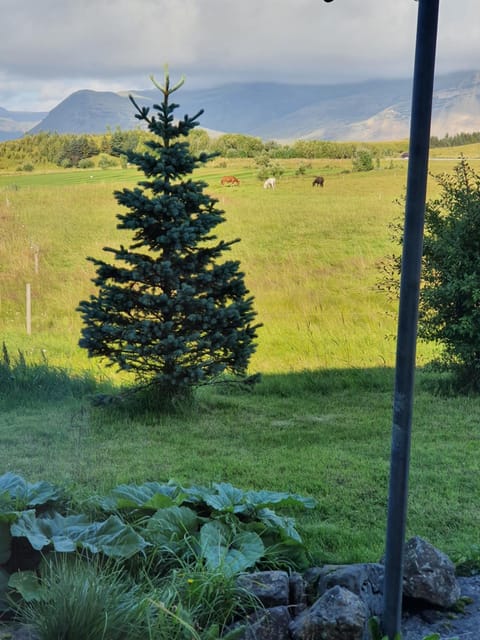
point(169, 309)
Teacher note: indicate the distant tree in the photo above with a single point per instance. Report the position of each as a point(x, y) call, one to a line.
point(236, 145)
point(124, 141)
point(169, 310)
point(76, 148)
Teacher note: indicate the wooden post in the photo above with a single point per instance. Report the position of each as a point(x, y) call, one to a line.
point(28, 307)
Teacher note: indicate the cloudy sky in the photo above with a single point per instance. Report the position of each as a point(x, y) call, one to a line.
point(50, 48)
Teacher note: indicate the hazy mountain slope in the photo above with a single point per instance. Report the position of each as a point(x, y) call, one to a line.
point(375, 110)
point(89, 111)
point(13, 124)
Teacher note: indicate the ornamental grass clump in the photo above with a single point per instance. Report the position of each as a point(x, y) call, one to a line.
point(81, 599)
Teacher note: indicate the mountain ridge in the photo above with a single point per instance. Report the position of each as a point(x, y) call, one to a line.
point(365, 111)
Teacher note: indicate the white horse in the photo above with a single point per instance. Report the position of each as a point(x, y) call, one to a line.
point(269, 183)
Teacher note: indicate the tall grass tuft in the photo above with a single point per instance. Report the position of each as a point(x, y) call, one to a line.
point(83, 600)
point(39, 381)
point(198, 603)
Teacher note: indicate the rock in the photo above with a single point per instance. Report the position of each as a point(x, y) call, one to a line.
point(429, 575)
point(272, 588)
point(365, 580)
point(298, 594)
point(267, 624)
point(338, 614)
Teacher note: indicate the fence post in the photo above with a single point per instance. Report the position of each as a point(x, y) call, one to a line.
point(28, 307)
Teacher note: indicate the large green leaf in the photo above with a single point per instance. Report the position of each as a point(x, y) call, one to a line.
point(227, 498)
point(28, 585)
point(150, 496)
point(172, 524)
point(260, 499)
point(48, 530)
point(26, 494)
point(66, 534)
point(113, 538)
point(231, 554)
point(284, 525)
point(224, 497)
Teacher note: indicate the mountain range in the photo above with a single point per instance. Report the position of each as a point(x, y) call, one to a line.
point(364, 111)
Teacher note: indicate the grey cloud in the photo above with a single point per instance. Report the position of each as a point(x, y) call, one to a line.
point(48, 45)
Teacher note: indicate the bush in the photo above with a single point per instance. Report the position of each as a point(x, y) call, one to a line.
point(449, 302)
point(362, 161)
point(86, 163)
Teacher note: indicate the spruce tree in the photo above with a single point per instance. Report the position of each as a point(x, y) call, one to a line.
point(169, 309)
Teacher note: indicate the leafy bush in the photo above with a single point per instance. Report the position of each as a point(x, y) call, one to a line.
point(362, 160)
point(156, 529)
point(449, 309)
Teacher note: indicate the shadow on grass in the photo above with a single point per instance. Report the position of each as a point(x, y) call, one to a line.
point(31, 383)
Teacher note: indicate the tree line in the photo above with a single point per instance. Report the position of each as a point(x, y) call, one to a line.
point(112, 147)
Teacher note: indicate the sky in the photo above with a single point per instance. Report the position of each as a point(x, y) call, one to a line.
point(51, 48)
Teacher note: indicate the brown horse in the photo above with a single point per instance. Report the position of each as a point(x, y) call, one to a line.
point(318, 182)
point(232, 180)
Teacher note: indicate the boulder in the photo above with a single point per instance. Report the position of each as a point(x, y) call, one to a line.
point(272, 588)
point(365, 580)
point(337, 615)
point(267, 624)
point(429, 575)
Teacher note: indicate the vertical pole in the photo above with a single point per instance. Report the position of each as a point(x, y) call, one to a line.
point(28, 308)
point(408, 312)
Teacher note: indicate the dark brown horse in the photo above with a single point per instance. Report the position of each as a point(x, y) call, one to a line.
point(319, 181)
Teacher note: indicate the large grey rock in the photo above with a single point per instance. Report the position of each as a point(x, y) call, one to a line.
point(338, 614)
point(429, 574)
point(272, 588)
point(267, 624)
point(365, 580)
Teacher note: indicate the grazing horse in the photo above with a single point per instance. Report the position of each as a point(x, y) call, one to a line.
point(269, 183)
point(230, 180)
point(318, 182)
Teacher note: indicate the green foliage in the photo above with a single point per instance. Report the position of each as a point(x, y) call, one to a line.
point(219, 531)
point(456, 140)
point(450, 297)
point(195, 601)
point(266, 167)
point(362, 160)
point(169, 311)
point(234, 145)
point(449, 311)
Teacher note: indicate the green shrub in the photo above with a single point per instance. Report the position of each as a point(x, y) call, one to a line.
point(362, 160)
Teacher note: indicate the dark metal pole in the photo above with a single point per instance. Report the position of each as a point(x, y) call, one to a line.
point(408, 312)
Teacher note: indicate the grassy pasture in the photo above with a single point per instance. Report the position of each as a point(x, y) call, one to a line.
point(318, 424)
point(308, 254)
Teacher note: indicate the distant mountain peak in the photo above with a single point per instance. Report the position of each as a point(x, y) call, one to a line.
point(368, 111)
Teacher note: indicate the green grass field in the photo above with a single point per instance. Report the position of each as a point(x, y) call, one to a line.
point(319, 422)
